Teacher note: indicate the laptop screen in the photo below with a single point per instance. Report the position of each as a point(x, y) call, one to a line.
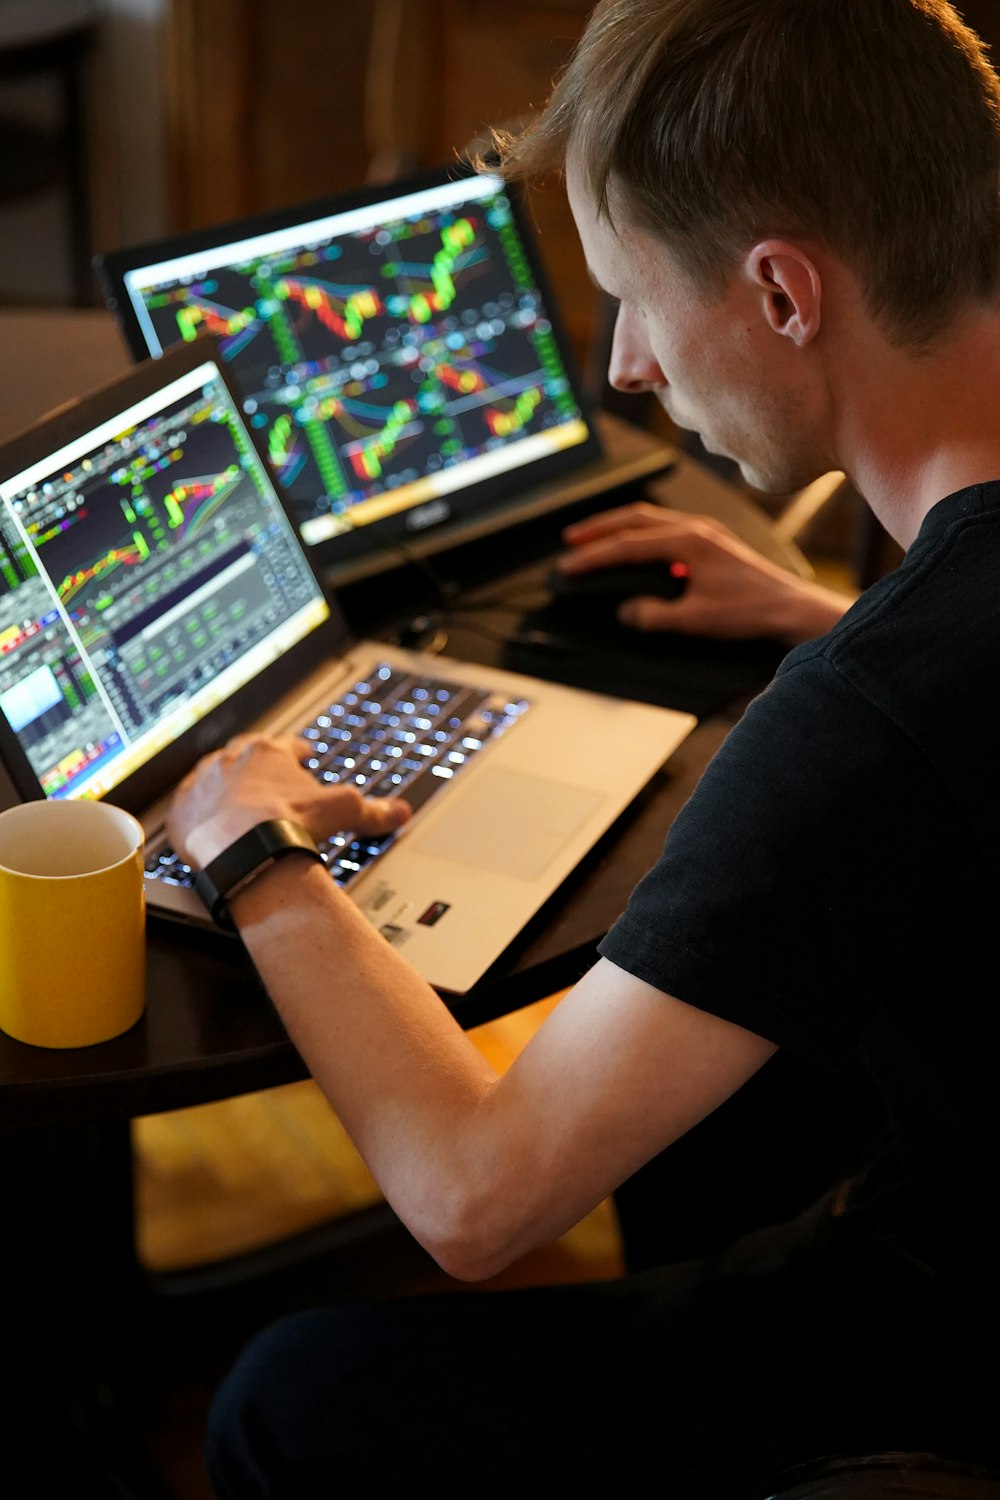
point(396, 349)
point(147, 573)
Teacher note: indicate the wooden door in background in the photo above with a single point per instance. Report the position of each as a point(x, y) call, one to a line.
point(268, 106)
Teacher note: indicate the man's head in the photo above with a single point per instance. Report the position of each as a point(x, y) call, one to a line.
point(741, 365)
point(871, 127)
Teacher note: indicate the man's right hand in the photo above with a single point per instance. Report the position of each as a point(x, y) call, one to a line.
point(732, 592)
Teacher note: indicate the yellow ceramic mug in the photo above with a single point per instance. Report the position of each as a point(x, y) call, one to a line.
point(72, 923)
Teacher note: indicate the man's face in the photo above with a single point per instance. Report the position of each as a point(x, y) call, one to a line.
point(715, 364)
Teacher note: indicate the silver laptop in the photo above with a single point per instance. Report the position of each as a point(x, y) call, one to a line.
point(155, 599)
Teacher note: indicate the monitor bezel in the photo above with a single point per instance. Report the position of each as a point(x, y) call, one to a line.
point(328, 639)
point(487, 506)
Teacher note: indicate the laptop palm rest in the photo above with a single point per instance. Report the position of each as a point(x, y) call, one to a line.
point(510, 824)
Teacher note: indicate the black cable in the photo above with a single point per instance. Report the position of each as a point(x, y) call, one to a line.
point(428, 630)
point(514, 602)
point(445, 589)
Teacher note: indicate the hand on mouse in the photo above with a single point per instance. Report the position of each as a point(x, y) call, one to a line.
point(732, 591)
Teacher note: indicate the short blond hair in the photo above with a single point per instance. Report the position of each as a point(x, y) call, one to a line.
point(873, 125)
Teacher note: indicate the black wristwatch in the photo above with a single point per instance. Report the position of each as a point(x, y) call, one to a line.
point(246, 858)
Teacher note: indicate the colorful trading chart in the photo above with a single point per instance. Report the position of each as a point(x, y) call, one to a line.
point(143, 577)
point(386, 358)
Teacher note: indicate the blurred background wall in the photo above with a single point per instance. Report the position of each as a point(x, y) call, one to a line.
point(191, 112)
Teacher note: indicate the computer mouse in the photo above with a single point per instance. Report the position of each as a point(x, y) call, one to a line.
point(603, 589)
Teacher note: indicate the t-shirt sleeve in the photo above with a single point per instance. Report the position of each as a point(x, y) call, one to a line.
point(784, 898)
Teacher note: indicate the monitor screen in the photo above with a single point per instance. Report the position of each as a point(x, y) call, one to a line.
point(148, 572)
point(397, 352)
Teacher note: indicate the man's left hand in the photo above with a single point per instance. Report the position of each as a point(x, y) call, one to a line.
point(253, 779)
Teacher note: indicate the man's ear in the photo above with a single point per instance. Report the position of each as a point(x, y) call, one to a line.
point(788, 281)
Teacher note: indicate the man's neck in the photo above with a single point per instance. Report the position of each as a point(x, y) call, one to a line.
point(914, 428)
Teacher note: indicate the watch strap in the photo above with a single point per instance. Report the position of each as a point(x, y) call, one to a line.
point(245, 858)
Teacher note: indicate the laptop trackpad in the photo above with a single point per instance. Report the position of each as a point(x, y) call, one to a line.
point(510, 823)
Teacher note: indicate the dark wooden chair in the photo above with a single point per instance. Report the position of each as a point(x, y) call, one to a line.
point(886, 1476)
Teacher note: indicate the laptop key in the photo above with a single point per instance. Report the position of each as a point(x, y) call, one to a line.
point(420, 789)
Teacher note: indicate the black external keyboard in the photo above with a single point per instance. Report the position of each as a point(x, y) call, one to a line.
point(393, 734)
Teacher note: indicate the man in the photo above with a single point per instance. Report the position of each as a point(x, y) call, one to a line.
point(796, 203)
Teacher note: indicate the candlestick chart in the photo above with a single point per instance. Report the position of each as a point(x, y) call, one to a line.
point(133, 527)
point(375, 359)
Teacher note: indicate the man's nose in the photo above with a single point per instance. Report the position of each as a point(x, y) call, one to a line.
point(632, 366)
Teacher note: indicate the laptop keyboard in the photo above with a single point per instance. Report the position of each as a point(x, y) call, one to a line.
point(393, 734)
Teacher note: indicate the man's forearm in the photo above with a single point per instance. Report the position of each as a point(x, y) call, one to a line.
point(481, 1168)
point(401, 1074)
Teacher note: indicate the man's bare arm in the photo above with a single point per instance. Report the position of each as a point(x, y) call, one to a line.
point(480, 1168)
